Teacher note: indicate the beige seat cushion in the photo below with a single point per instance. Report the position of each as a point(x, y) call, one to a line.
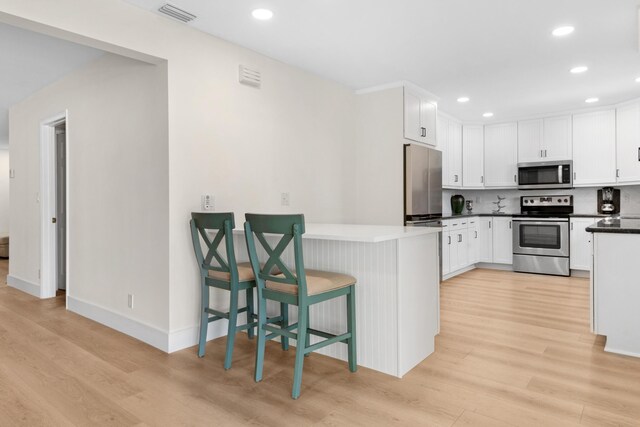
point(245, 273)
point(317, 282)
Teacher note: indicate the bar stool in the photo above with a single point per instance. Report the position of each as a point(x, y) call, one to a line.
point(299, 287)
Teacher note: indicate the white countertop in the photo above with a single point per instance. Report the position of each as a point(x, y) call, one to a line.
point(361, 233)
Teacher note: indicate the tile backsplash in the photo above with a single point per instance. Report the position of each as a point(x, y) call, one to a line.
point(584, 199)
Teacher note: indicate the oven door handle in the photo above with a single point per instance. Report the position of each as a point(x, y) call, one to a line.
point(541, 220)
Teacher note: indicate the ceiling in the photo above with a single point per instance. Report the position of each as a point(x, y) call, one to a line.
point(31, 61)
point(500, 53)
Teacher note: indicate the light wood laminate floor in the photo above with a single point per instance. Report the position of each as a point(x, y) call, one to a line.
point(514, 349)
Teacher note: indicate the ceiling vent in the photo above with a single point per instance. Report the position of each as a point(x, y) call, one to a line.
point(250, 77)
point(176, 13)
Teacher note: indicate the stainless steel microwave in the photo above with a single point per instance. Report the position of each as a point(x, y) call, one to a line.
point(545, 175)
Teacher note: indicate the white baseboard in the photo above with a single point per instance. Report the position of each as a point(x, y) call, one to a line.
point(24, 285)
point(151, 335)
point(580, 273)
point(168, 342)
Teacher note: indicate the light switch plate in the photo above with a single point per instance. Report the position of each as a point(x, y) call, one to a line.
point(207, 202)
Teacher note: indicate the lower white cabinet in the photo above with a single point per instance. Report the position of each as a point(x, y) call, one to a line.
point(502, 240)
point(580, 244)
point(468, 241)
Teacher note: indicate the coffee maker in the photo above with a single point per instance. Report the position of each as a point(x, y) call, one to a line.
point(608, 201)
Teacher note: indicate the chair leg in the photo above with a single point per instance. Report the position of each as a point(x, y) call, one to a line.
point(204, 319)
point(233, 323)
point(262, 320)
point(302, 338)
point(307, 340)
point(250, 312)
point(284, 312)
point(351, 327)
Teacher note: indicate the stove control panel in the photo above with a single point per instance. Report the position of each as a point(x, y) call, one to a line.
point(546, 201)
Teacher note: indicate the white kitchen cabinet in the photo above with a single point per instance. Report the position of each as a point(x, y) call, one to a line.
point(502, 240)
point(501, 155)
point(594, 148)
point(628, 143)
point(450, 133)
point(419, 117)
point(580, 243)
point(446, 251)
point(530, 144)
point(473, 240)
point(543, 140)
point(485, 239)
point(473, 156)
point(557, 138)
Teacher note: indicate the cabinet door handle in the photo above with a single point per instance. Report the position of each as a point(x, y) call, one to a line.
point(476, 234)
point(541, 153)
point(639, 154)
point(545, 153)
point(423, 132)
point(571, 226)
point(515, 178)
point(574, 175)
point(509, 225)
point(481, 179)
point(617, 173)
point(449, 239)
point(489, 224)
point(455, 178)
point(459, 237)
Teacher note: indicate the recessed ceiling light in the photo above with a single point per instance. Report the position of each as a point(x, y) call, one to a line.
point(579, 69)
point(487, 115)
point(463, 99)
point(591, 100)
point(562, 31)
point(262, 14)
point(638, 80)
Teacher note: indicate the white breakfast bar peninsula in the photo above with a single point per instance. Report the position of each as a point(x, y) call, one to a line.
point(397, 295)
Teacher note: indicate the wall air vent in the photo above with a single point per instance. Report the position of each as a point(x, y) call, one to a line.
point(250, 77)
point(176, 13)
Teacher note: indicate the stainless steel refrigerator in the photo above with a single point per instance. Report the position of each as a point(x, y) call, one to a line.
point(422, 184)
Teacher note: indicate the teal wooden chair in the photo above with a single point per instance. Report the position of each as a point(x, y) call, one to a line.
point(299, 287)
point(223, 272)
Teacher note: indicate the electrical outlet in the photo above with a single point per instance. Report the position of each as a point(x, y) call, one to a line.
point(207, 202)
point(284, 199)
point(130, 300)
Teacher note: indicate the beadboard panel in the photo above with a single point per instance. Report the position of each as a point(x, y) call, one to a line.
point(374, 265)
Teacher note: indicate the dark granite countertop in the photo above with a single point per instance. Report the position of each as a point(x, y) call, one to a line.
point(623, 225)
point(596, 215)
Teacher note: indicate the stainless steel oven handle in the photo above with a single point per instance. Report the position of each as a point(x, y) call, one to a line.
point(542, 220)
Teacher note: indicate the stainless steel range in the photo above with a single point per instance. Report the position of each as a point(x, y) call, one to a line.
point(541, 235)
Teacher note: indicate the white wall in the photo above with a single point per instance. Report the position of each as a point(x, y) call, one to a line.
point(117, 168)
point(243, 145)
point(4, 187)
point(584, 199)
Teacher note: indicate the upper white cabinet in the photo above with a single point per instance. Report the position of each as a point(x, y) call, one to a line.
point(557, 138)
point(419, 117)
point(544, 139)
point(501, 155)
point(450, 136)
point(473, 156)
point(594, 148)
point(628, 143)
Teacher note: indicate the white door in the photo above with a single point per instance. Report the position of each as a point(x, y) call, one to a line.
point(501, 155)
point(443, 143)
point(628, 143)
point(580, 244)
point(455, 154)
point(502, 240)
point(446, 251)
point(473, 156)
point(594, 148)
point(557, 138)
point(472, 240)
point(412, 105)
point(485, 239)
point(530, 141)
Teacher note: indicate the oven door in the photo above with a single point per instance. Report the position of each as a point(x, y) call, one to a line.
point(541, 236)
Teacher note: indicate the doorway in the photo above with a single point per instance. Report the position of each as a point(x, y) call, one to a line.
point(54, 206)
